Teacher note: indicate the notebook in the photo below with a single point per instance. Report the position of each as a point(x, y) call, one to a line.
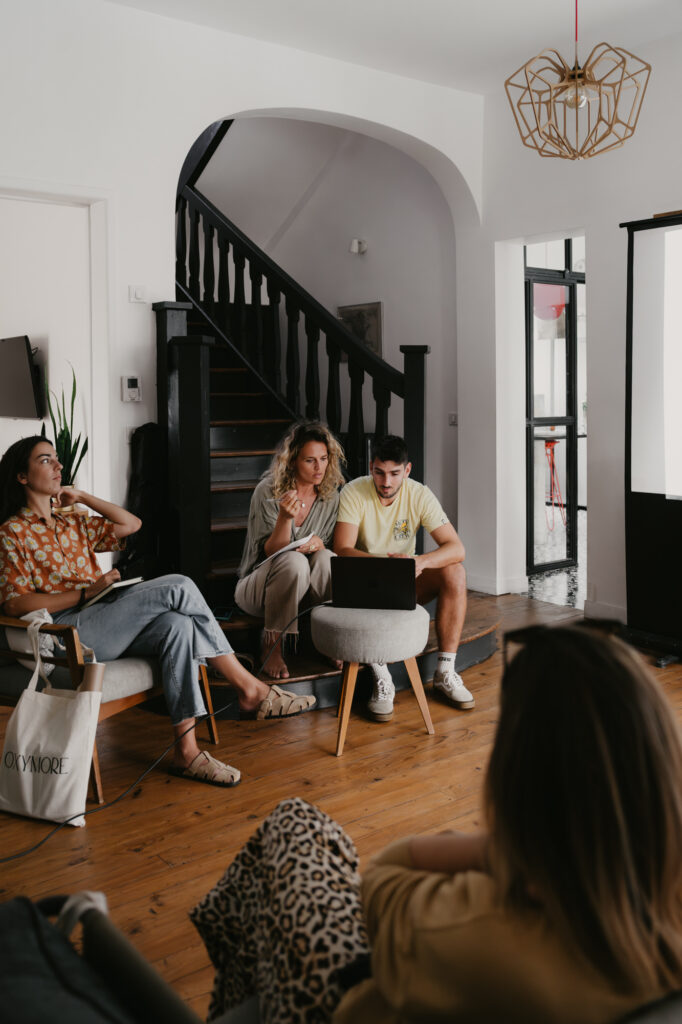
point(373, 583)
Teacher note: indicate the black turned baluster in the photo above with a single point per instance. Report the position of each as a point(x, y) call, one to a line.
point(382, 397)
point(181, 243)
point(312, 371)
point(237, 325)
point(256, 332)
point(415, 405)
point(293, 359)
point(356, 427)
point(223, 283)
point(333, 387)
point(194, 261)
point(209, 267)
point(273, 348)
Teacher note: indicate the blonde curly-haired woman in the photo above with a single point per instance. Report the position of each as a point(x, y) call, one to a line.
point(298, 497)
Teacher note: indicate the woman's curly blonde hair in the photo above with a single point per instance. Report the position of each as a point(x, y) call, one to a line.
point(283, 466)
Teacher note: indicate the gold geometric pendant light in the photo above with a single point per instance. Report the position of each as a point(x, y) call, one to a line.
point(577, 112)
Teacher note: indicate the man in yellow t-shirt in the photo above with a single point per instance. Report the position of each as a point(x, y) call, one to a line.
point(380, 514)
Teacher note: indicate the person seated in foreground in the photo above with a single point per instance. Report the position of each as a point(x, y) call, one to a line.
point(380, 514)
point(297, 497)
point(48, 560)
point(568, 908)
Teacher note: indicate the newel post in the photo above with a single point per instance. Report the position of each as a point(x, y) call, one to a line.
point(189, 471)
point(415, 405)
point(171, 321)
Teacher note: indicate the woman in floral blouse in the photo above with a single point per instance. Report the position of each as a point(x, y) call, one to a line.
point(48, 560)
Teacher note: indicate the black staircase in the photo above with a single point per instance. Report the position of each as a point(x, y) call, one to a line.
point(243, 353)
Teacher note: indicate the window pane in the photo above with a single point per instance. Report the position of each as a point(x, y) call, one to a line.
point(578, 254)
point(550, 495)
point(549, 349)
point(547, 255)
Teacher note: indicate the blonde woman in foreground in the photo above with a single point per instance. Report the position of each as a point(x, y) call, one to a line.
point(298, 497)
point(567, 909)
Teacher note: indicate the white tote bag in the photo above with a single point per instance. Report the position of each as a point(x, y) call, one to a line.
point(48, 746)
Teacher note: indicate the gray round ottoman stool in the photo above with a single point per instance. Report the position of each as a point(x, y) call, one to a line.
point(361, 636)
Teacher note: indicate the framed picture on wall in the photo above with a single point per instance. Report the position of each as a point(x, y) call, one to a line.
point(364, 321)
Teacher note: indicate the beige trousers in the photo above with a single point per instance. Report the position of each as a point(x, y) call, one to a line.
point(275, 590)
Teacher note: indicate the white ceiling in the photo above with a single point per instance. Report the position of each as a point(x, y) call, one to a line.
point(466, 44)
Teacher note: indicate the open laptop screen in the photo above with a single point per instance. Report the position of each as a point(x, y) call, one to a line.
point(373, 583)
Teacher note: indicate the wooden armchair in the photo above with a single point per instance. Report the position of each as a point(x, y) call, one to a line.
point(127, 681)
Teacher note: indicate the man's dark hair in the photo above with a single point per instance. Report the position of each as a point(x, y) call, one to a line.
point(390, 448)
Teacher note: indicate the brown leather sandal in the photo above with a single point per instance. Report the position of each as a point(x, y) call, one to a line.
point(283, 704)
point(205, 768)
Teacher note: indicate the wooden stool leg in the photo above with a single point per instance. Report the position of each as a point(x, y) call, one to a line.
point(208, 701)
point(415, 679)
point(96, 778)
point(342, 691)
point(350, 673)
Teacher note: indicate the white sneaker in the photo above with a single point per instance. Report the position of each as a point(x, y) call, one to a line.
point(451, 685)
point(380, 705)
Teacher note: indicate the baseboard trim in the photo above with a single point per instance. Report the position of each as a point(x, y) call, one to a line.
point(491, 585)
point(602, 610)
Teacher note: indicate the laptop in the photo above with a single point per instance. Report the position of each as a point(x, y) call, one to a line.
point(373, 583)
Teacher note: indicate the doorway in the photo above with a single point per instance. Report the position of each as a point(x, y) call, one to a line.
point(556, 420)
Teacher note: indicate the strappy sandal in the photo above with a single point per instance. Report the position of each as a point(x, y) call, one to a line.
point(205, 768)
point(282, 704)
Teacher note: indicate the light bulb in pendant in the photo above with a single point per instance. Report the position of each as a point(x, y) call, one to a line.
point(576, 99)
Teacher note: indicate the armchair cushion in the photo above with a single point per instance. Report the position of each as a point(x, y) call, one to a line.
point(122, 678)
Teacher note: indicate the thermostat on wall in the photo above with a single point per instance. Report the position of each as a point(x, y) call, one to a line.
point(131, 389)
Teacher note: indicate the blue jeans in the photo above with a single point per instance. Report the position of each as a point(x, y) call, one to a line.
point(166, 618)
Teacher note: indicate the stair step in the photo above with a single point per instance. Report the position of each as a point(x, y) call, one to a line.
point(229, 369)
point(225, 569)
point(240, 620)
point(249, 404)
point(311, 674)
point(218, 454)
point(237, 394)
point(242, 434)
point(241, 423)
point(239, 485)
point(227, 525)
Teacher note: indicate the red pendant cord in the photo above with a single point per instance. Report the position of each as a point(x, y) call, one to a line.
point(576, 33)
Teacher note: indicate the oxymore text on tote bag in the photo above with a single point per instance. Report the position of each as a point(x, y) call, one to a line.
point(48, 746)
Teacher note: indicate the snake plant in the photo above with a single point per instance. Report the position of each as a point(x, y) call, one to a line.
point(70, 452)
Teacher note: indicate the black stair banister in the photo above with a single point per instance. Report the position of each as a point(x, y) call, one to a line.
point(243, 326)
point(202, 152)
point(243, 248)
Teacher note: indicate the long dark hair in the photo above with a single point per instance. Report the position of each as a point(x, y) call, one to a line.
point(15, 461)
point(584, 803)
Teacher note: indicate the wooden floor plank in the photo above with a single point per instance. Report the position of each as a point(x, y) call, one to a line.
point(159, 850)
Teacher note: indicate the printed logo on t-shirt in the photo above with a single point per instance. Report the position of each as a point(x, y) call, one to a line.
point(401, 529)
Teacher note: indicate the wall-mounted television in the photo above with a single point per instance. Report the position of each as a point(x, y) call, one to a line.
point(21, 396)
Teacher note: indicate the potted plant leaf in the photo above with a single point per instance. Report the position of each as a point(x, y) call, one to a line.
point(70, 450)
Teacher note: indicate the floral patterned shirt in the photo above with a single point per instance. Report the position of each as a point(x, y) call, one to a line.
point(34, 558)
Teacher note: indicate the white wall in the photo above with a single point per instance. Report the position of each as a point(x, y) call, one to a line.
point(106, 101)
point(45, 294)
point(301, 191)
point(526, 196)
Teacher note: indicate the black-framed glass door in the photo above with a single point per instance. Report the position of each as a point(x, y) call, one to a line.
point(556, 410)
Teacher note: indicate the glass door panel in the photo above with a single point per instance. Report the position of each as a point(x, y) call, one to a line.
point(550, 496)
point(549, 349)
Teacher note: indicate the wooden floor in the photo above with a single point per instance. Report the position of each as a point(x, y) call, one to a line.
point(158, 851)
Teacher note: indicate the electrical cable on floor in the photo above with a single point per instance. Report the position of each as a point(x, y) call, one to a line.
point(159, 759)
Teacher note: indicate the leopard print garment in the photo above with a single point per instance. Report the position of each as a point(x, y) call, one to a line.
point(285, 916)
